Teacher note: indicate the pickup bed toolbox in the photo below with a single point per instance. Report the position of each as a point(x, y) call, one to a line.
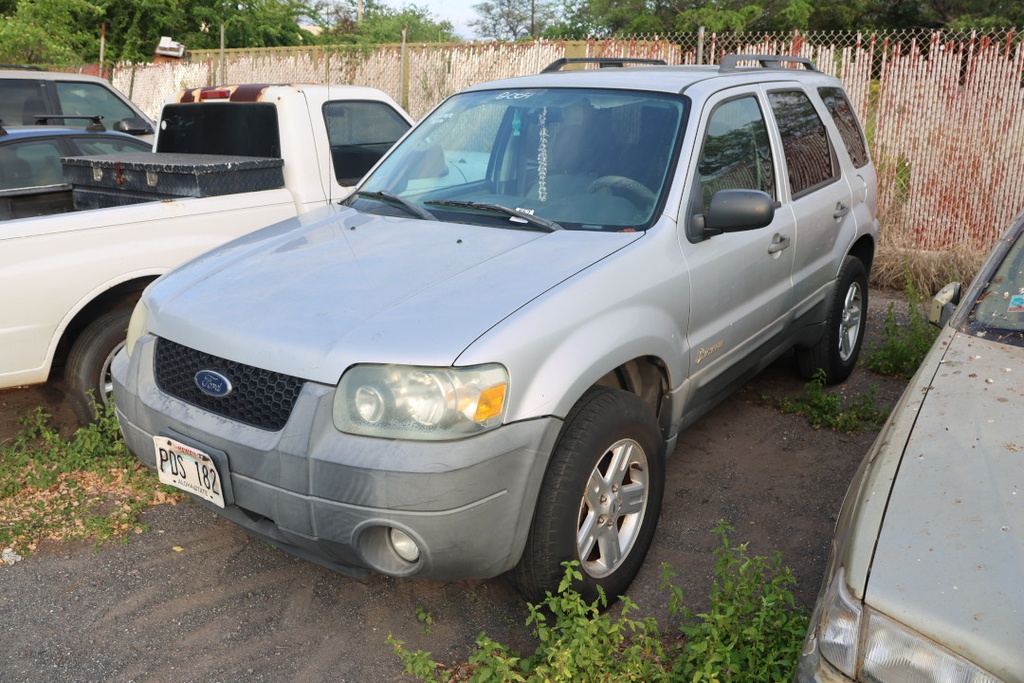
point(169, 175)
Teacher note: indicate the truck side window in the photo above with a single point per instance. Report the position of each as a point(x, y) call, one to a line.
point(89, 99)
point(805, 143)
point(360, 133)
point(846, 121)
point(736, 154)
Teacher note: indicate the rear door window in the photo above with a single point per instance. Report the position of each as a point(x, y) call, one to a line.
point(21, 101)
point(360, 133)
point(805, 142)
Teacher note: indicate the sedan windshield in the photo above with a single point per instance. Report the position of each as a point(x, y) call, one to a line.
point(999, 312)
point(538, 159)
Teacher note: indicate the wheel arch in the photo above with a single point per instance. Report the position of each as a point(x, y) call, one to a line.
point(118, 295)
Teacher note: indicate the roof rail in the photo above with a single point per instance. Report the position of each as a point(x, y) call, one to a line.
point(603, 62)
point(20, 67)
point(95, 121)
point(731, 62)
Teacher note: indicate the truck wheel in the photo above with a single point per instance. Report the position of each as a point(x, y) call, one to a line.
point(600, 500)
point(839, 347)
point(87, 376)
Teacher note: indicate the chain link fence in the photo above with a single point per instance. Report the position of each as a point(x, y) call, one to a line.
point(943, 111)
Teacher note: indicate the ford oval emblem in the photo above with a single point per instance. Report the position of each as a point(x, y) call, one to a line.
point(213, 383)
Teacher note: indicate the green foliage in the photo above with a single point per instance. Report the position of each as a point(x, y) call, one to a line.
point(754, 630)
point(84, 486)
point(51, 32)
point(381, 24)
point(827, 409)
point(752, 633)
point(904, 343)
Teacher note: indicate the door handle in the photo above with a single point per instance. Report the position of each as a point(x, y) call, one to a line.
point(779, 242)
point(841, 210)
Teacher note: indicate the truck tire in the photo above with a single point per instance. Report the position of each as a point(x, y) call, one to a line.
point(87, 375)
point(600, 499)
point(837, 351)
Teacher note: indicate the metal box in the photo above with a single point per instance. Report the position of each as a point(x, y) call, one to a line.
point(169, 175)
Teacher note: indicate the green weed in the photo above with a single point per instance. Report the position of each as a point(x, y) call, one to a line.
point(826, 409)
point(903, 345)
point(752, 633)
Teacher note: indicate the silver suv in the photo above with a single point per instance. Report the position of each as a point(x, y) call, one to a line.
point(479, 361)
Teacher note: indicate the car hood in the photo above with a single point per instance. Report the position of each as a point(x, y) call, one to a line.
point(951, 547)
point(310, 297)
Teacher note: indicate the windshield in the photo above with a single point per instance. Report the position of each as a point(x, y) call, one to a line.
point(999, 313)
point(534, 159)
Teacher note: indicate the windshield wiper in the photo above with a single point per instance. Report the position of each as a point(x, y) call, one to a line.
point(535, 221)
point(392, 198)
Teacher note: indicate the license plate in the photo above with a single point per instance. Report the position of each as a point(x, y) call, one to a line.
point(188, 469)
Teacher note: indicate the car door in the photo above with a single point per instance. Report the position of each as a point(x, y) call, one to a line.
point(821, 199)
point(740, 282)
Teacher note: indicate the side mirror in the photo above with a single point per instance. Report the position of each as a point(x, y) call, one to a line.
point(134, 125)
point(732, 211)
point(943, 304)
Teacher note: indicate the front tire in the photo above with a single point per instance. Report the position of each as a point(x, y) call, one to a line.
point(87, 375)
point(600, 500)
point(837, 351)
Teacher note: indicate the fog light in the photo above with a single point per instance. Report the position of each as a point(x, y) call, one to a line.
point(404, 546)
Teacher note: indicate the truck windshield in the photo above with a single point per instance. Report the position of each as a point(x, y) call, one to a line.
point(577, 159)
point(237, 129)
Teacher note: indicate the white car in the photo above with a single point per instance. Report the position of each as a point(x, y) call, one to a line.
point(924, 580)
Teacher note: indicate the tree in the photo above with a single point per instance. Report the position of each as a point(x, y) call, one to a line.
point(50, 32)
point(513, 19)
point(381, 24)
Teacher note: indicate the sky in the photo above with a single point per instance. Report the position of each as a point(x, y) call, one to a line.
point(459, 12)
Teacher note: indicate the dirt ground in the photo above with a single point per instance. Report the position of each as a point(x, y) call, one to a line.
point(196, 598)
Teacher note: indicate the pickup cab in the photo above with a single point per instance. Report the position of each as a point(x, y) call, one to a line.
point(134, 216)
point(480, 360)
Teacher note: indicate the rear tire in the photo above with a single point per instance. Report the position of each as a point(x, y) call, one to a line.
point(600, 500)
point(87, 375)
point(837, 351)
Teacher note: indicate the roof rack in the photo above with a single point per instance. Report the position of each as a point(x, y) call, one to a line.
point(95, 122)
point(602, 62)
point(731, 62)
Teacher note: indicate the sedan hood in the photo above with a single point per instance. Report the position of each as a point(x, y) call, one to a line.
point(310, 297)
point(951, 549)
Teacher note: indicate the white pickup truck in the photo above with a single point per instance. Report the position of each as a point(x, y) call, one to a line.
point(69, 280)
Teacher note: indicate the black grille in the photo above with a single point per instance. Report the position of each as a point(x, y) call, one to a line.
point(260, 398)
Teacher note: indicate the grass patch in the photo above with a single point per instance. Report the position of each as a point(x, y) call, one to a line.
point(86, 485)
point(752, 633)
point(827, 409)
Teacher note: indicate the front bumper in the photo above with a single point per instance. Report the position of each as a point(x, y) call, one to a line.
point(332, 498)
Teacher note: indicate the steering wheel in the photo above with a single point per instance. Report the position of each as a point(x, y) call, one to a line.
point(634, 191)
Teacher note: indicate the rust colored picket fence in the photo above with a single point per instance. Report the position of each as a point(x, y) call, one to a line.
point(944, 111)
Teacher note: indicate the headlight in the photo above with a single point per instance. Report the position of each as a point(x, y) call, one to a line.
point(136, 326)
point(858, 639)
point(410, 402)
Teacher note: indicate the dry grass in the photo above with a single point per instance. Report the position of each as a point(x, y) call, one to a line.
point(898, 264)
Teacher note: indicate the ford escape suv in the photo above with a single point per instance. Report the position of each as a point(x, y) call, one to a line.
point(478, 362)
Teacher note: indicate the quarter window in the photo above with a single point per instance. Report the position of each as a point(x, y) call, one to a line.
point(805, 143)
point(846, 121)
point(736, 154)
